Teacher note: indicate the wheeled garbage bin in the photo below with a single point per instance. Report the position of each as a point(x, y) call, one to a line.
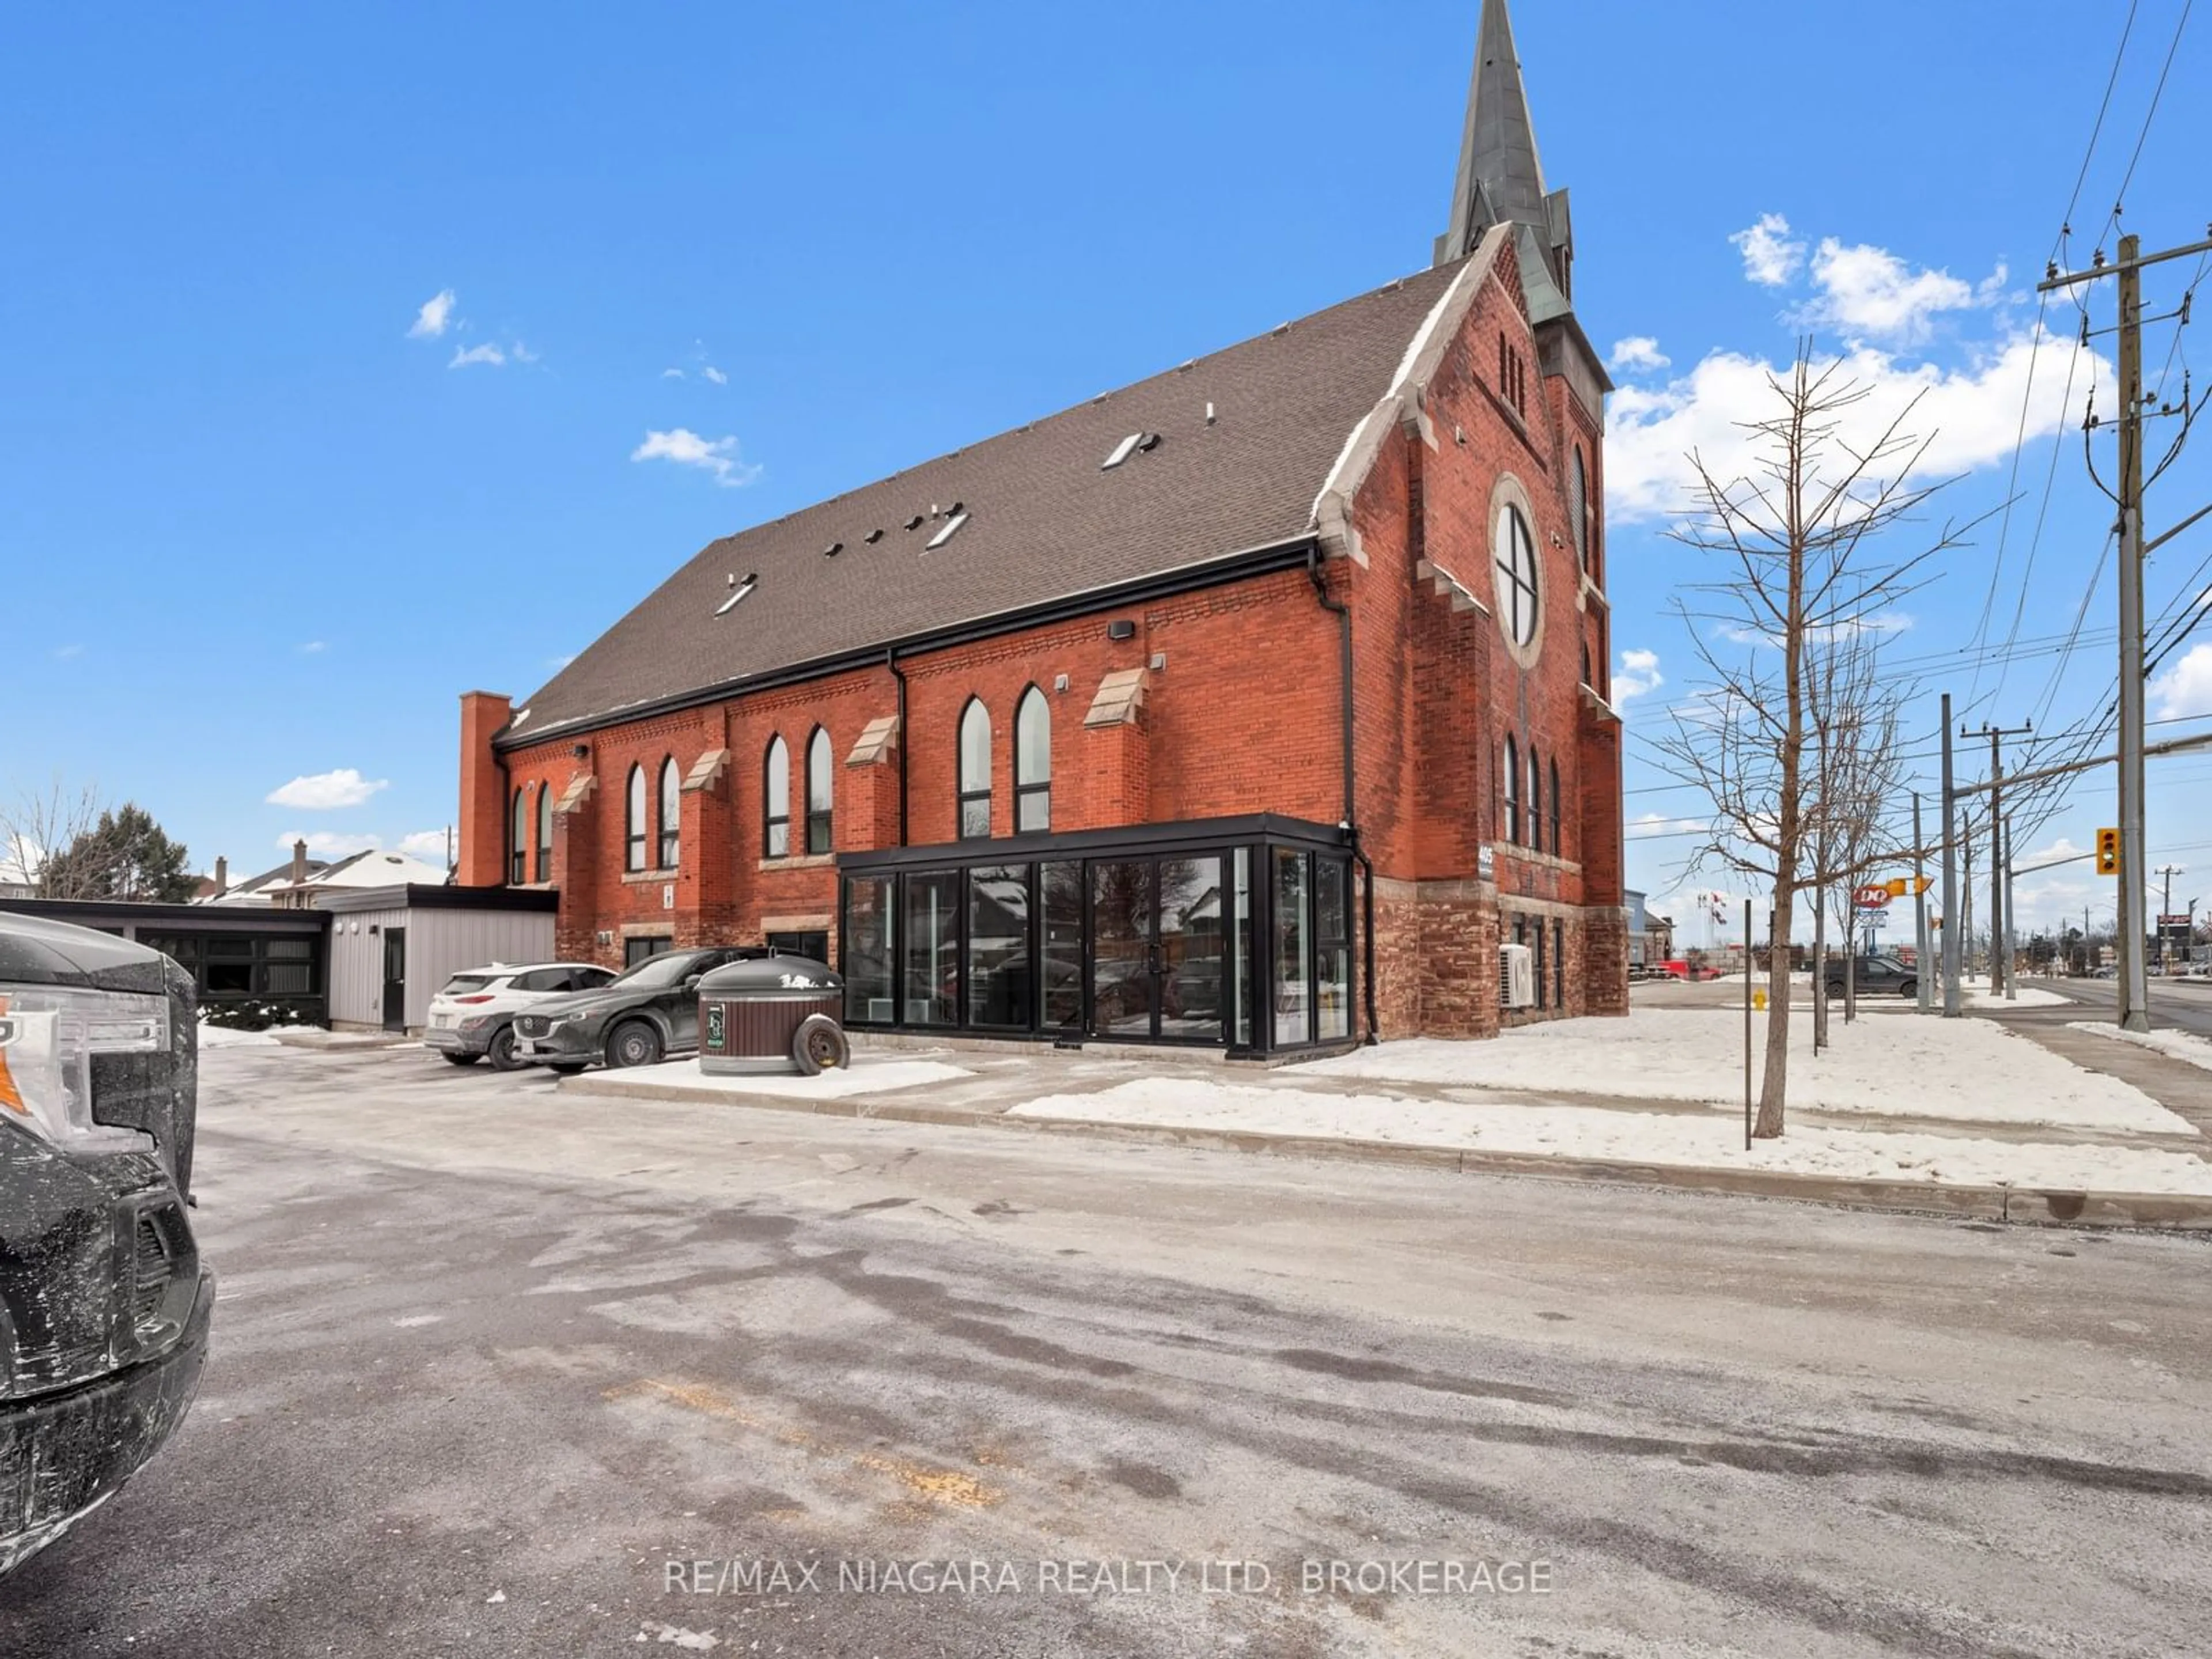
point(772, 1012)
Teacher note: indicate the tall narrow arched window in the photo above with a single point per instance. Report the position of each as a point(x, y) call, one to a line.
point(1586, 671)
point(974, 771)
point(1032, 761)
point(817, 791)
point(1578, 505)
point(633, 820)
point(1535, 802)
point(671, 811)
point(1512, 795)
point(1556, 813)
point(518, 850)
point(776, 794)
point(544, 832)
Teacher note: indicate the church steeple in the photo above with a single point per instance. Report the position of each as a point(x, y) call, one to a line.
point(1500, 180)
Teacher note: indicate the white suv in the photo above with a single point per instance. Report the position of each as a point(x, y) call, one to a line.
point(474, 1015)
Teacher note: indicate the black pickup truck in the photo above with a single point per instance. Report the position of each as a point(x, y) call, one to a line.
point(104, 1302)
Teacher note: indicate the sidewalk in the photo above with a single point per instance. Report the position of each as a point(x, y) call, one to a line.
point(1954, 1117)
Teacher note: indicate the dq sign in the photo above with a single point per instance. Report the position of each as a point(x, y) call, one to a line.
point(1871, 898)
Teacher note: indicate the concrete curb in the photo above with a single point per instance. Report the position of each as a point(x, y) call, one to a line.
point(2012, 1205)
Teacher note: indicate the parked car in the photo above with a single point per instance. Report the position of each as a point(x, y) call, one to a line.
point(645, 1015)
point(472, 1019)
point(103, 1302)
point(1876, 974)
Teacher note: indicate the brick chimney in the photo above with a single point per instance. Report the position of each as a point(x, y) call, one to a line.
point(482, 851)
point(299, 862)
point(222, 875)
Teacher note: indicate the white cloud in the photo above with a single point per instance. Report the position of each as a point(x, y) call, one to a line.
point(63, 652)
point(1869, 293)
point(1638, 351)
point(2185, 689)
point(434, 318)
point(1638, 676)
point(20, 861)
point(1769, 258)
point(323, 791)
point(1973, 412)
point(671, 373)
point(521, 353)
point(715, 375)
point(487, 353)
point(310, 647)
point(560, 662)
point(429, 845)
point(329, 843)
point(687, 448)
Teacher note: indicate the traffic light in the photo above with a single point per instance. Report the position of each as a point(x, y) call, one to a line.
point(2108, 852)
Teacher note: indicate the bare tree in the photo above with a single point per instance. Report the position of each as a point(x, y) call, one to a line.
point(37, 824)
point(1802, 545)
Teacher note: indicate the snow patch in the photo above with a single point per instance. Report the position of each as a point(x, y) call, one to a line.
point(868, 1074)
point(2180, 1045)
point(1691, 1139)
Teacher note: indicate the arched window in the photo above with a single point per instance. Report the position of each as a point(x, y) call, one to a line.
point(1586, 677)
point(634, 821)
point(1578, 511)
point(777, 794)
point(1515, 575)
point(544, 832)
point(671, 811)
point(817, 791)
point(518, 850)
point(1032, 761)
point(1535, 802)
point(1512, 793)
point(974, 771)
point(1555, 806)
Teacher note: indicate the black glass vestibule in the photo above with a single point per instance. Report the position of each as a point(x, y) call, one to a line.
point(1231, 933)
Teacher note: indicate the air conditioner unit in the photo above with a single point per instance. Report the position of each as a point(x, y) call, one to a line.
point(1517, 976)
point(880, 1010)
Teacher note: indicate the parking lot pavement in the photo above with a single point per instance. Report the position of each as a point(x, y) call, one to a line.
point(489, 1358)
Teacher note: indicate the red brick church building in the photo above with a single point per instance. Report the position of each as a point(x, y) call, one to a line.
point(1260, 704)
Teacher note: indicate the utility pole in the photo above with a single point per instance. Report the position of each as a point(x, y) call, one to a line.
point(1925, 982)
point(1950, 877)
point(2133, 981)
point(2011, 925)
point(1998, 931)
point(2165, 909)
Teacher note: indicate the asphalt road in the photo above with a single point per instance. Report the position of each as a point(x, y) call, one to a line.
point(489, 1359)
point(2183, 1005)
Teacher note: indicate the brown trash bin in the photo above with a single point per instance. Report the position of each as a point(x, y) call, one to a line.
point(750, 1012)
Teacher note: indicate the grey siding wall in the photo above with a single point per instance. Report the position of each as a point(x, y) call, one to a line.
point(440, 944)
point(357, 965)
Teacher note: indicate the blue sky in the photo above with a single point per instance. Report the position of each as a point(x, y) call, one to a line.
point(262, 534)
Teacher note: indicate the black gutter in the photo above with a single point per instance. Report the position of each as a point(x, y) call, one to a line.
point(1236, 567)
point(1343, 614)
point(891, 661)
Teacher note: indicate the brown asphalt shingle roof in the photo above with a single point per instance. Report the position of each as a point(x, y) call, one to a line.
point(1045, 521)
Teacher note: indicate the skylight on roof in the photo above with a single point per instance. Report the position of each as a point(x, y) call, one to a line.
point(737, 591)
point(1122, 451)
point(952, 528)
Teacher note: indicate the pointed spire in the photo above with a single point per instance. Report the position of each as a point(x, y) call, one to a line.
point(1500, 178)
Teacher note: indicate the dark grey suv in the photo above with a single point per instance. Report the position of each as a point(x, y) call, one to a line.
point(104, 1303)
point(1875, 974)
point(648, 1013)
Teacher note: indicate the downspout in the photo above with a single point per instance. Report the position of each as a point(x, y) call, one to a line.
point(1343, 614)
point(891, 661)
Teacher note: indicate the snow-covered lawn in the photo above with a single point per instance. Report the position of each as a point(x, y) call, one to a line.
point(225, 1036)
point(868, 1074)
point(1964, 1070)
point(2182, 1045)
point(1709, 1140)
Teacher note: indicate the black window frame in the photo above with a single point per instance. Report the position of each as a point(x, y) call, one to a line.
point(820, 826)
point(1514, 534)
point(775, 760)
point(518, 819)
point(544, 832)
point(669, 813)
point(1535, 800)
point(967, 796)
point(1557, 814)
point(634, 836)
point(1511, 800)
point(1026, 787)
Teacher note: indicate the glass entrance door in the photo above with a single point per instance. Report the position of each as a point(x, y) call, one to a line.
point(1158, 948)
